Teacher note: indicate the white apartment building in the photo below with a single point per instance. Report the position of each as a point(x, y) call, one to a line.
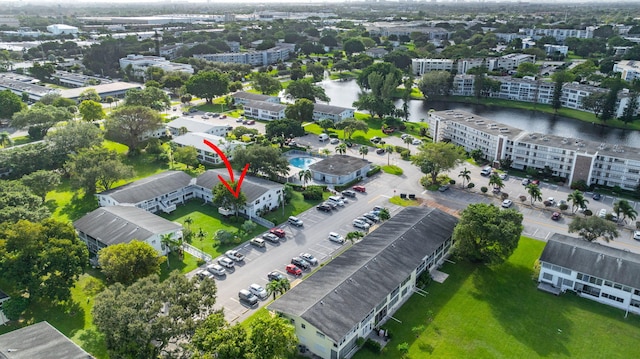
point(280, 52)
point(509, 62)
point(629, 69)
point(464, 65)
point(205, 153)
point(263, 110)
point(573, 93)
point(62, 29)
point(603, 274)
point(560, 34)
point(551, 49)
point(334, 113)
point(140, 64)
point(571, 158)
point(463, 85)
point(420, 66)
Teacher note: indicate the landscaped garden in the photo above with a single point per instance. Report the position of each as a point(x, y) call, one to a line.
point(497, 312)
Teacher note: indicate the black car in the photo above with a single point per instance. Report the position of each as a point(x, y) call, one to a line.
point(380, 151)
point(324, 207)
point(348, 193)
point(300, 263)
point(596, 196)
point(275, 276)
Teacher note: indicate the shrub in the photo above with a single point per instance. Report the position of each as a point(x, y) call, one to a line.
point(563, 207)
point(372, 345)
point(587, 212)
point(373, 170)
point(483, 189)
point(424, 280)
point(405, 155)
point(523, 198)
point(471, 185)
point(399, 149)
point(312, 193)
point(350, 183)
point(360, 341)
point(14, 307)
point(504, 196)
point(452, 182)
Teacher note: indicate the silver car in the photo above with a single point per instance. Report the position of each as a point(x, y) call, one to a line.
point(309, 258)
point(258, 291)
point(360, 224)
point(216, 269)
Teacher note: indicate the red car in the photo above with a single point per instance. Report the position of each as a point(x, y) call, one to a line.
point(292, 269)
point(556, 216)
point(359, 188)
point(278, 232)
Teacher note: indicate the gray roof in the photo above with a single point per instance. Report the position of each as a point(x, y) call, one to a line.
point(339, 165)
point(100, 89)
point(251, 96)
point(266, 106)
point(193, 125)
point(150, 187)
point(334, 110)
point(122, 224)
point(40, 340)
point(341, 293)
point(593, 259)
point(196, 139)
point(252, 187)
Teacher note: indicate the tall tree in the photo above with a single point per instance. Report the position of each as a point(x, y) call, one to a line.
point(496, 182)
point(41, 182)
point(17, 202)
point(389, 149)
point(265, 83)
point(208, 84)
point(465, 174)
point(130, 319)
point(559, 79)
point(301, 110)
point(264, 160)
point(435, 83)
point(222, 197)
point(534, 193)
point(577, 200)
point(623, 209)
point(304, 88)
point(272, 337)
point(129, 124)
point(187, 155)
point(593, 227)
point(5, 139)
point(628, 115)
point(152, 97)
point(215, 338)
point(74, 136)
point(341, 149)
point(363, 150)
point(436, 157)
point(127, 262)
point(10, 103)
point(284, 128)
point(96, 168)
point(89, 94)
point(305, 176)
point(351, 125)
point(42, 259)
point(487, 234)
point(352, 46)
point(91, 111)
point(39, 119)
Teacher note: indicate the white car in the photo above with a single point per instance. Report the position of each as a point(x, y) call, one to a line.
point(258, 291)
point(216, 269)
point(335, 237)
point(334, 141)
point(636, 235)
point(503, 176)
point(416, 142)
point(507, 203)
point(226, 262)
point(234, 255)
point(309, 258)
point(360, 224)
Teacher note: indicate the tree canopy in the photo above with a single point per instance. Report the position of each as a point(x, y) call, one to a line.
point(152, 318)
point(208, 84)
point(42, 259)
point(304, 88)
point(284, 127)
point(301, 110)
point(91, 111)
point(265, 83)
point(127, 262)
point(592, 227)
point(39, 119)
point(222, 197)
point(17, 202)
point(436, 157)
point(435, 83)
point(73, 136)
point(96, 168)
point(351, 125)
point(129, 124)
point(10, 103)
point(264, 160)
point(149, 97)
point(487, 234)
point(41, 182)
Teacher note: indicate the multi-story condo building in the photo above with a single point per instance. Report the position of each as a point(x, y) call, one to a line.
point(464, 65)
point(140, 64)
point(420, 66)
point(593, 271)
point(629, 69)
point(551, 49)
point(463, 85)
point(509, 62)
point(560, 34)
point(400, 29)
point(571, 158)
point(281, 52)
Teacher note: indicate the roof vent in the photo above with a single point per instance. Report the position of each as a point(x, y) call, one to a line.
point(322, 302)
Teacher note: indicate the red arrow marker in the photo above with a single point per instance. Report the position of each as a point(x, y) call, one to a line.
point(235, 192)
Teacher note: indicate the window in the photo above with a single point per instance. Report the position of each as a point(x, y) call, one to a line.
point(567, 282)
point(320, 334)
point(612, 297)
point(547, 276)
point(303, 326)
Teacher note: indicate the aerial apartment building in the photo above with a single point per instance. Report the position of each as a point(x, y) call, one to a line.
point(508, 62)
point(140, 64)
point(575, 159)
point(559, 34)
point(280, 52)
point(629, 69)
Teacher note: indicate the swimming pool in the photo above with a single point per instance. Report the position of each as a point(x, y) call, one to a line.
point(302, 162)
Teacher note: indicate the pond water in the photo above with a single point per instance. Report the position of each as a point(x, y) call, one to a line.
point(344, 93)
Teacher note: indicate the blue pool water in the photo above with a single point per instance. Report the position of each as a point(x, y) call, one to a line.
point(302, 162)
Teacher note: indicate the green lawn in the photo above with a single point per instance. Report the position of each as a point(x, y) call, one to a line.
point(296, 206)
point(391, 169)
point(206, 216)
point(482, 312)
point(404, 202)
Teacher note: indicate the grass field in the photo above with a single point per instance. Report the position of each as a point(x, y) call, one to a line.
point(391, 169)
point(481, 312)
point(296, 206)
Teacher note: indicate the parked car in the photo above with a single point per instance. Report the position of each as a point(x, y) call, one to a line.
point(240, 119)
point(366, 220)
point(331, 204)
point(636, 235)
point(556, 216)
point(278, 232)
point(380, 151)
point(602, 213)
point(275, 275)
point(226, 262)
point(526, 181)
point(216, 269)
point(258, 242)
point(405, 135)
point(348, 193)
point(444, 188)
point(360, 224)
point(193, 110)
point(596, 196)
point(295, 221)
point(205, 117)
point(203, 273)
point(334, 141)
point(376, 139)
point(309, 258)
point(234, 255)
point(223, 116)
point(258, 291)
point(507, 203)
point(535, 182)
point(335, 237)
point(324, 207)
point(359, 189)
point(301, 263)
point(292, 269)
point(377, 209)
point(249, 122)
point(247, 297)
point(215, 114)
point(416, 142)
point(503, 176)
point(371, 216)
point(336, 200)
point(271, 237)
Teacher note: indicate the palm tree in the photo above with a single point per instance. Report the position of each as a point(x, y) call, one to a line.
point(168, 242)
point(623, 208)
point(496, 182)
point(5, 139)
point(389, 150)
point(284, 285)
point(363, 151)
point(304, 176)
point(201, 235)
point(384, 214)
point(273, 287)
point(341, 149)
point(577, 200)
point(408, 141)
point(465, 175)
point(188, 221)
point(325, 151)
point(534, 192)
point(352, 236)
